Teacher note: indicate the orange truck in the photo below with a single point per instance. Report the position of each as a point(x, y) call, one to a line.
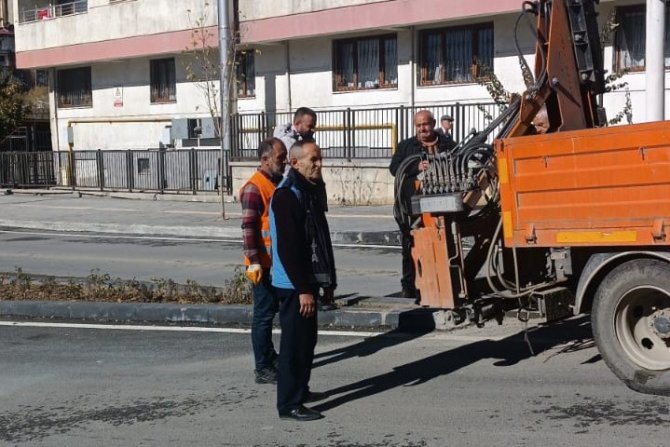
point(565, 222)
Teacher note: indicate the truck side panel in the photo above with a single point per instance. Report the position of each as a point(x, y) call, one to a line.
point(592, 187)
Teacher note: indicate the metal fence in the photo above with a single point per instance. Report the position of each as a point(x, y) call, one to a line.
point(142, 170)
point(342, 134)
point(357, 133)
point(22, 169)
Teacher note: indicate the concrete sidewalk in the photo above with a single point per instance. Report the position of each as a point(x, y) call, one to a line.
point(171, 215)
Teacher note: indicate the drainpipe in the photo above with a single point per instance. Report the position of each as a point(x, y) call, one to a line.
point(288, 75)
point(412, 68)
point(654, 60)
point(52, 84)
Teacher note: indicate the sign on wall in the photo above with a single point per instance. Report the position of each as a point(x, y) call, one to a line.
point(118, 96)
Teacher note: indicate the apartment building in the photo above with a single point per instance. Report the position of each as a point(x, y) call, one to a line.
point(118, 76)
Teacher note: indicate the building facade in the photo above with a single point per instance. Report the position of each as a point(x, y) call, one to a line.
point(122, 76)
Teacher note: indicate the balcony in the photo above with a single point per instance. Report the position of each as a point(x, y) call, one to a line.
point(60, 9)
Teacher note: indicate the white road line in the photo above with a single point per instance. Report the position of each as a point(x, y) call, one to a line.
point(441, 336)
point(129, 327)
point(173, 238)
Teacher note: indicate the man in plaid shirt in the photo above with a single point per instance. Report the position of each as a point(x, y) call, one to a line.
point(255, 198)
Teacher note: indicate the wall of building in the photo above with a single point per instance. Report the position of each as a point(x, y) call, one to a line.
point(311, 76)
point(112, 31)
point(263, 9)
point(137, 123)
point(108, 21)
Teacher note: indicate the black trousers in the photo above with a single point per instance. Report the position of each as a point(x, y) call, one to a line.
point(296, 352)
point(408, 273)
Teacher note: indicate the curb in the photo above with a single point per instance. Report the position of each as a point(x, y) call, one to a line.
point(140, 195)
point(214, 314)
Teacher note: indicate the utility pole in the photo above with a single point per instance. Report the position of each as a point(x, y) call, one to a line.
point(224, 88)
point(654, 60)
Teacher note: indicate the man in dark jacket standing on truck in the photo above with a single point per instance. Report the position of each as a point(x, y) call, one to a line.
point(302, 263)
point(425, 141)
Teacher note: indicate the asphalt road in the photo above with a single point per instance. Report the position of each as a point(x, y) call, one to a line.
point(366, 271)
point(82, 387)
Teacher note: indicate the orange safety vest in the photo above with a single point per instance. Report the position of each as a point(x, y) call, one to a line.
point(266, 189)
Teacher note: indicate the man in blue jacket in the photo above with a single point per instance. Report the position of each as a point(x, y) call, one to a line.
point(303, 263)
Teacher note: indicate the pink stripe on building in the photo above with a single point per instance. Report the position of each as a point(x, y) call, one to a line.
point(129, 47)
point(392, 13)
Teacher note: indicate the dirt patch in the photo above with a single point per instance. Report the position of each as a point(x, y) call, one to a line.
point(99, 286)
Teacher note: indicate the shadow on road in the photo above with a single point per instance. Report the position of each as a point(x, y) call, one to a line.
point(411, 325)
point(508, 351)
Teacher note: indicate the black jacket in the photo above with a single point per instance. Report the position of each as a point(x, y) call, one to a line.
point(302, 236)
point(412, 146)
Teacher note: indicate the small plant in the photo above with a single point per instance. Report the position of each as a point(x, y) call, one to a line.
point(164, 289)
point(22, 283)
point(237, 289)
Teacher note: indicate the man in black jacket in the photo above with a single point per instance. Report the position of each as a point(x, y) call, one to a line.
point(426, 140)
point(302, 263)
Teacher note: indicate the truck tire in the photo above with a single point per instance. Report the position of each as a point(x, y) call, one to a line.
point(630, 317)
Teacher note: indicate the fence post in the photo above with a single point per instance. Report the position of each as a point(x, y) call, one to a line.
point(352, 134)
point(191, 169)
point(71, 171)
point(130, 170)
point(101, 169)
point(401, 123)
point(161, 170)
point(459, 131)
point(261, 130)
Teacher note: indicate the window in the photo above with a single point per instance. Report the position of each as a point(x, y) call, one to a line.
point(245, 74)
point(630, 38)
point(74, 87)
point(365, 63)
point(163, 83)
point(455, 55)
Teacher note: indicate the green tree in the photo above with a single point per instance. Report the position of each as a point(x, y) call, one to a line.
point(12, 109)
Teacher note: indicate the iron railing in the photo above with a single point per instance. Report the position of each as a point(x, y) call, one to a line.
point(342, 134)
point(357, 133)
point(23, 169)
point(142, 170)
point(51, 11)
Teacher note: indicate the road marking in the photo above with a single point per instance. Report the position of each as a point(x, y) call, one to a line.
point(441, 336)
point(173, 238)
point(130, 327)
point(78, 208)
point(202, 213)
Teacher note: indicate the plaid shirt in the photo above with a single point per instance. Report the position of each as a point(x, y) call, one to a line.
point(252, 210)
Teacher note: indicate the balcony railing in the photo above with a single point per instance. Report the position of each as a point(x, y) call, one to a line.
point(53, 11)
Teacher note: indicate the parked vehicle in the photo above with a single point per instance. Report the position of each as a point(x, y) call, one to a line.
point(573, 220)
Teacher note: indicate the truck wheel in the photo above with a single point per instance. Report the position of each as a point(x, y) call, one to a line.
point(631, 324)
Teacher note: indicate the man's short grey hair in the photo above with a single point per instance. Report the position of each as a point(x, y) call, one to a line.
point(297, 150)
